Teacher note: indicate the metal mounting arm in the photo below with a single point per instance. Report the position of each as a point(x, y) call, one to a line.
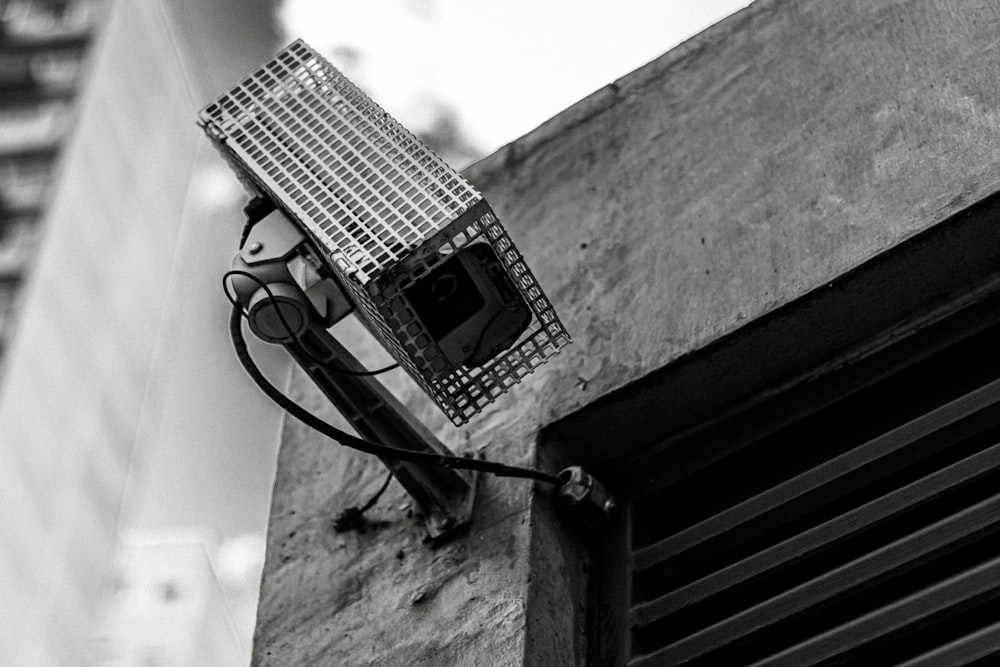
point(444, 495)
point(295, 309)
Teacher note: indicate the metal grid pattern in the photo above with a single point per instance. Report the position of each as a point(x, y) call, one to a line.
point(462, 392)
point(364, 185)
point(385, 207)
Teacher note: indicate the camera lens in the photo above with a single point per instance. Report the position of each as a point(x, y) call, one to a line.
point(444, 286)
point(445, 298)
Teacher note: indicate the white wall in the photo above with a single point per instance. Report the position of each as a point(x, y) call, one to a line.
point(120, 373)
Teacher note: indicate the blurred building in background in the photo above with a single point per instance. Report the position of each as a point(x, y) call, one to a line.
point(118, 394)
point(42, 49)
point(179, 598)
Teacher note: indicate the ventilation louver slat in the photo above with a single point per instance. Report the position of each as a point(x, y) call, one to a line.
point(966, 650)
point(977, 583)
point(792, 550)
point(884, 551)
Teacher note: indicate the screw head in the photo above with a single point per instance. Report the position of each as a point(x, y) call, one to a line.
point(256, 247)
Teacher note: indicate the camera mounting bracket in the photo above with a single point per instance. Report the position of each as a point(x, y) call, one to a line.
point(291, 299)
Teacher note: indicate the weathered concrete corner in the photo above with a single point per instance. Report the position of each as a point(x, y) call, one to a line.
point(737, 173)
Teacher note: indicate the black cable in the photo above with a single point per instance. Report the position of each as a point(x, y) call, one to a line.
point(288, 328)
point(353, 518)
point(378, 494)
point(348, 440)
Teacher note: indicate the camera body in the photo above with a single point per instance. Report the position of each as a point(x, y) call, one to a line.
point(462, 312)
point(415, 248)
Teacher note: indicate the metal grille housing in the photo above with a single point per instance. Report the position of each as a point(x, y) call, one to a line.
point(382, 205)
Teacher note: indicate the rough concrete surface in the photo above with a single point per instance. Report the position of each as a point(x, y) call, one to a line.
point(764, 157)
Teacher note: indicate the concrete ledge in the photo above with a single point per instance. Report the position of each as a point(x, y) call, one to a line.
point(758, 163)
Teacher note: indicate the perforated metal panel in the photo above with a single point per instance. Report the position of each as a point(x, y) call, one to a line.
point(383, 206)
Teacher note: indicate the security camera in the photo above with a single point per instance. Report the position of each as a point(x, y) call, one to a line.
point(350, 213)
point(407, 242)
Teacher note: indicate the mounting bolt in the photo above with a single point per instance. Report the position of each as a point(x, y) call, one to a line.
point(442, 522)
point(585, 495)
point(256, 247)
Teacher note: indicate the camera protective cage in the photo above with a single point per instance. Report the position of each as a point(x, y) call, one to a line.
point(432, 272)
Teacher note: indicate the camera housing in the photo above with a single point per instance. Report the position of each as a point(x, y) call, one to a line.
point(415, 247)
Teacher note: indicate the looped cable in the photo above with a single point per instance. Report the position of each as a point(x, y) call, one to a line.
point(354, 442)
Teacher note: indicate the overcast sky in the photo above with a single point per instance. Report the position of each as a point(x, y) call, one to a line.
point(504, 67)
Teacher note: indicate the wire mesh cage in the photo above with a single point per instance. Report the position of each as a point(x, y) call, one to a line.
point(397, 224)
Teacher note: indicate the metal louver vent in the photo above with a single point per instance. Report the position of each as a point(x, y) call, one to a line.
point(863, 544)
point(385, 208)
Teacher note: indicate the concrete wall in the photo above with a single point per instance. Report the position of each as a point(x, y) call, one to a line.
point(124, 299)
point(753, 164)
